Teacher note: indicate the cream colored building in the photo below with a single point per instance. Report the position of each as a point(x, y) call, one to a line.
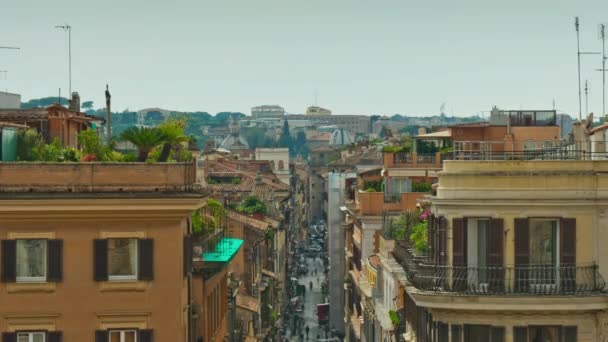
point(516, 254)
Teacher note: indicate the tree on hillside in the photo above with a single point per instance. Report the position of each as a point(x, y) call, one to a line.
point(43, 102)
point(154, 117)
point(256, 137)
point(285, 139)
point(301, 144)
point(86, 105)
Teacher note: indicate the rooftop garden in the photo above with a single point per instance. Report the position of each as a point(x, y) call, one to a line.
point(252, 205)
point(165, 143)
point(412, 226)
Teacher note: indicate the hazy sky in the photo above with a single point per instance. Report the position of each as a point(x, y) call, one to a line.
point(361, 57)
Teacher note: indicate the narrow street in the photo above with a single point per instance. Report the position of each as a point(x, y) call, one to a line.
point(309, 280)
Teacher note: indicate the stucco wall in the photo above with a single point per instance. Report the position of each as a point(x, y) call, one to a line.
point(78, 305)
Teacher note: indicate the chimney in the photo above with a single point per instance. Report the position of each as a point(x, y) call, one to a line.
point(74, 103)
point(108, 115)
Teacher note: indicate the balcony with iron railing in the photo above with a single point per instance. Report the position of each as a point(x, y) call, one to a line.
point(500, 150)
point(533, 280)
point(376, 203)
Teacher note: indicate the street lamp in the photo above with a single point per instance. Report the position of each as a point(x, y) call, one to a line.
point(68, 28)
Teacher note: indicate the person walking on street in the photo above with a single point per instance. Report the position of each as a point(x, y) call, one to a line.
point(307, 330)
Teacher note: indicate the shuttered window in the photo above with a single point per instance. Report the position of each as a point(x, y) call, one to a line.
point(123, 259)
point(567, 242)
point(495, 250)
point(459, 244)
point(431, 233)
point(442, 243)
point(522, 253)
point(9, 263)
point(545, 333)
point(146, 259)
point(55, 336)
point(31, 260)
point(100, 260)
point(55, 260)
point(32, 336)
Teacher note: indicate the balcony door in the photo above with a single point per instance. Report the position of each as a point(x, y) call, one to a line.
point(477, 253)
point(544, 252)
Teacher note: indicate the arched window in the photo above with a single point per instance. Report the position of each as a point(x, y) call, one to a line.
point(281, 165)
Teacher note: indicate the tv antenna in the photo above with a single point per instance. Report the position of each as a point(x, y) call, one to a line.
point(603, 69)
point(578, 55)
point(586, 97)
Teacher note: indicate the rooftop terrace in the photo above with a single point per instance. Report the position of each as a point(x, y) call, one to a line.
point(31, 177)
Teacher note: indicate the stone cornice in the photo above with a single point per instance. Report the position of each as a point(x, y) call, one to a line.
point(508, 303)
point(113, 208)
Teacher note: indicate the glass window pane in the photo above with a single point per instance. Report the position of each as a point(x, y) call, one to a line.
point(23, 337)
point(114, 336)
point(129, 336)
point(498, 334)
point(38, 337)
point(520, 334)
point(543, 242)
point(570, 334)
point(442, 332)
point(477, 333)
point(31, 258)
point(122, 257)
point(456, 333)
point(545, 334)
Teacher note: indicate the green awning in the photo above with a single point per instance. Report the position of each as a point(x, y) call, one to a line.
point(224, 250)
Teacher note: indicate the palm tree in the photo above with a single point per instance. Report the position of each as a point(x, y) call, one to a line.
point(173, 133)
point(144, 138)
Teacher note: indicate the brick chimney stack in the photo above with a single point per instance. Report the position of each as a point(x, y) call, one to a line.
point(74, 103)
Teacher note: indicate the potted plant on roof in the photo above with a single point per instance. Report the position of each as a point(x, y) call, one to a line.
point(144, 138)
point(91, 145)
point(253, 206)
point(173, 137)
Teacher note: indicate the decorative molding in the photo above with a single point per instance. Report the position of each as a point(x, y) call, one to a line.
point(123, 319)
point(122, 235)
point(22, 235)
point(123, 286)
point(33, 321)
point(31, 287)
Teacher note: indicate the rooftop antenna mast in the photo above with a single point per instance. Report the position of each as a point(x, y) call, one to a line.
point(578, 54)
point(603, 69)
point(68, 28)
point(586, 97)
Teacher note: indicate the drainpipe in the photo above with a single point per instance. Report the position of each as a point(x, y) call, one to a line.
point(190, 337)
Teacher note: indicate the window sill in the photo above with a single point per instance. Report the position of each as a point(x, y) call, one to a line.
point(111, 286)
point(30, 287)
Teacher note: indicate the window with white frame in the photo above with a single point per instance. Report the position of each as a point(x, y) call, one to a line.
point(123, 336)
point(31, 261)
point(36, 336)
point(122, 259)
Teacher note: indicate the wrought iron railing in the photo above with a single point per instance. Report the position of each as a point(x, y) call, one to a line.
point(517, 280)
point(403, 158)
point(426, 158)
point(392, 198)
